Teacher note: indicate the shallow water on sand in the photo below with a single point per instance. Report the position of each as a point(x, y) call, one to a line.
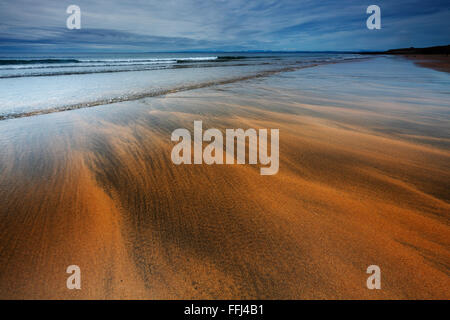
point(41, 83)
point(363, 180)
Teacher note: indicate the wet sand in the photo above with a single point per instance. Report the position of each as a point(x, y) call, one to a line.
point(363, 180)
point(435, 61)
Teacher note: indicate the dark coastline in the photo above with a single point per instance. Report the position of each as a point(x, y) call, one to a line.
point(436, 50)
point(436, 58)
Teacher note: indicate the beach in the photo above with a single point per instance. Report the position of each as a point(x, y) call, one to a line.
point(437, 62)
point(363, 180)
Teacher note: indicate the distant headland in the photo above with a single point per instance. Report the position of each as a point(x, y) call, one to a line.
point(441, 50)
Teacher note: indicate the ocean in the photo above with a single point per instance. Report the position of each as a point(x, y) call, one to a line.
point(37, 84)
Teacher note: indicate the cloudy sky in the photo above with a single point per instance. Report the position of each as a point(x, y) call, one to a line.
point(222, 25)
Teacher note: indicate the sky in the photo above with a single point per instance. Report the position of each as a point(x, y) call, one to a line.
point(221, 25)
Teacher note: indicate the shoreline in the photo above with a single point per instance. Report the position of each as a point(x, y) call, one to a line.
point(439, 62)
point(363, 180)
point(437, 57)
point(261, 74)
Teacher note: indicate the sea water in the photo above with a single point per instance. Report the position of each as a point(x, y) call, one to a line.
point(33, 84)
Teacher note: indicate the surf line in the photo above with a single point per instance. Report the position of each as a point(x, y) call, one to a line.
point(213, 152)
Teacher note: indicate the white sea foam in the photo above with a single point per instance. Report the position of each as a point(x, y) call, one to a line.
point(53, 84)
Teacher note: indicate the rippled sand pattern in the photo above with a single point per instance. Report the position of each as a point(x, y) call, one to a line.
point(357, 186)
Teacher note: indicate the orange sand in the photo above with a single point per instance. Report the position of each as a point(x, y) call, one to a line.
point(96, 188)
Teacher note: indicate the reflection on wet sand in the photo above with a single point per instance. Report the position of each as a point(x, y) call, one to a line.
point(96, 187)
